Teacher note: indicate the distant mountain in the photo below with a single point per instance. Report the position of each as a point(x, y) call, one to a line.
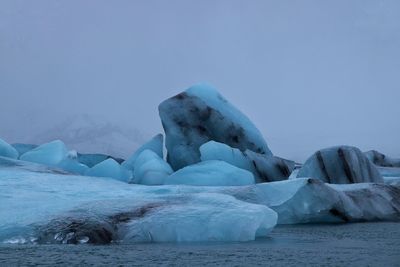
point(87, 134)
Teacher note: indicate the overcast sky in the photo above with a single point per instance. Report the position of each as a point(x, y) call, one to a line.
point(310, 74)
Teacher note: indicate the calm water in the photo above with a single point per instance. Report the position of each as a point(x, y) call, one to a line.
point(363, 244)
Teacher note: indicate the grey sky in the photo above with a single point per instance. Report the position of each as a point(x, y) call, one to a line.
point(310, 74)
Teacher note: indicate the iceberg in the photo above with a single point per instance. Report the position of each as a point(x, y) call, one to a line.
point(200, 114)
point(156, 145)
point(340, 165)
point(109, 168)
point(92, 159)
point(264, 168)
point(23, 148)
point(211, 173)
point(150, 169)
point(38, 206)
point(382, 160)
point(48, 154)
point(72, 165)
point(6, 150)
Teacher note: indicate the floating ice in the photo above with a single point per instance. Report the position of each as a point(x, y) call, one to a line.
point(92, 159)
point(340, 165)
point(264, 168)
point(381, 159)
point(109, 168)
point(71, 164)
point(211, 173)
point(49, 154)
point(6, 150)
point(155, 144)
point(201, 114)
point(150, 169)
point(46, 207)
point(23, 148)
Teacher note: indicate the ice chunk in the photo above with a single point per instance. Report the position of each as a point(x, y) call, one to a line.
point(6, 150)
point(46, 207)
point(204, 217)
point(48, 154)
point(264, 168)
point(92, 159)
point(109, 168)
point(155, 144)
point(23, 148)
point(211, 173)
point(201, 114)
point(309, 200)
point(150, 169)
point(381, 159)
point(71, 164)
point(340, 165)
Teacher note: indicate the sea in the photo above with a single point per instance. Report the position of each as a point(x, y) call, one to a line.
point(355, 244)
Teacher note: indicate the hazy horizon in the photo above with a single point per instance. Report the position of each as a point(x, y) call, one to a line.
point(309, 74)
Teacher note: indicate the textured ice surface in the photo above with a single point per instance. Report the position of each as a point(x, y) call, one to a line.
point(109, 168)
point(43, 206)
point(264, 168)
point(381, 159)
point(48, 154)
point(156, 145)
point(73, 166)
point(340, 165)
point(211, 173)
point(392, 181)
point(6, 150)
point(201, 114)
point(150, 169)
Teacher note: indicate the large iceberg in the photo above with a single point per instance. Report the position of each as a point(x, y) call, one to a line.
point(156, 145)
point(39, 205)
point(201, 114)
point(110, 168)
point(48, 154)
point(211, 173)
point(340, 165)
point(264, 168)
point(6, 150)
point(150, 169)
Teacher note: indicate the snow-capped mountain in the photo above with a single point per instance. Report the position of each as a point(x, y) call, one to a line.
point(87, 134)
